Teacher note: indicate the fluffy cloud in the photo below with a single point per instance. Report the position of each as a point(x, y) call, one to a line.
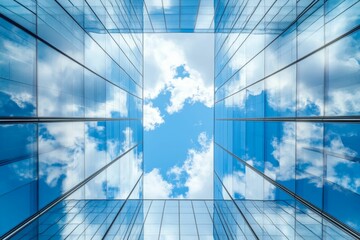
point(197, 171)
point(156, 5)
point(152, 117)
point(155, 187)
point(248, 185)
point(65, 146)
point(196, 174)
point(189, 89)
point(20, 57)
point(166, 55)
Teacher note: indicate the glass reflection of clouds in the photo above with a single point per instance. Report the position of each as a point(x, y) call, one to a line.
point(287, 107)
point(18, 171)
point(17, 72)
point(286, 118)
point(61, 159)
point(70, 92)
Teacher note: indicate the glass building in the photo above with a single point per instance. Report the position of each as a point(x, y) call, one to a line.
point(286, 120)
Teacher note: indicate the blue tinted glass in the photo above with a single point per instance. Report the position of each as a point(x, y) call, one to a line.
point(17, 72)
point(343, 77)
point(60, 88)
point(95, 147)
point(280, 152)
point(18, 171)
point(309, 162)
point(254, 147)
point(342, 172)
point(341, 17)
point(23, 13)
point(95, 95)
point(255, 100)
point(310, 29)
point(61, 159)
point(310, 85)
point(56, 27)
point(281, 93)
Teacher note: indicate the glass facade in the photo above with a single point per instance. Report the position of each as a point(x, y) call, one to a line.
point(286, 131)
point(286, 108)
point(70, 106)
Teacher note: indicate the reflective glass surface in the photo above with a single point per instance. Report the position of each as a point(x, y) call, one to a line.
point(70, 105)
point(286, 108)
point(286, 127)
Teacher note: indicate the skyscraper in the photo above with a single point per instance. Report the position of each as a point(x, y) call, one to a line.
point(286, 120)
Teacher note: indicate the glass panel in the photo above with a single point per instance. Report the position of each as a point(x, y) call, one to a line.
point(310, 85)
point(281, 93)
point(95, 95)
point(309, 162)
point(18, 171)
point(61, 159)
point(343, 77)
point(60, 88)
point(280, 152)
point(342, 154)
point(17, 72)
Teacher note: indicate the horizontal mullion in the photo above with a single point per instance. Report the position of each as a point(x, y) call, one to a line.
point(295, 196)
point(9, 120)
point(350, 119)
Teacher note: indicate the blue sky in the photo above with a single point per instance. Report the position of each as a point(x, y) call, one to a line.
point(178, 115)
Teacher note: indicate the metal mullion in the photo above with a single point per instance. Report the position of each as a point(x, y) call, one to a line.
point(312, 207)
point(131, 34)
point(232, 27)
point(290, 25)
point(118, 213)
point(349, 120)
point(115, 43)
point(147, 213)
point(289, 65)
point(211, 216)
point(148, 16)
point(197, 230)
point(234, 218)
point(242, 214)
point(162, 217)
point(93, 40)
point(49, 206)
point(163, 10)
point(64, 54)
point(133, 219)
point(197, 15)
point(247, 21)
point(118, 28)
point(223, 221)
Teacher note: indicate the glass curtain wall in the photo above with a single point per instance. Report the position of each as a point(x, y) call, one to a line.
point(287, 107)
point(70, 104)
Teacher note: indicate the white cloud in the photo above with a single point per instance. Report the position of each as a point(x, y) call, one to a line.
point(164, 55)
point(62, 155)
point(248, 185)
point(189, 89)
point(157, 5)
point(155, 187)
point(197, 169)
point(284, 154)
point(196, 174)
point(20, 58)
point(152, 117)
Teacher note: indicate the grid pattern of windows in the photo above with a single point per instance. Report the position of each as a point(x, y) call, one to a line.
point(286, 104)
point(179, 219)
point(179, 16)
point(287, 143)
point(70, 105)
